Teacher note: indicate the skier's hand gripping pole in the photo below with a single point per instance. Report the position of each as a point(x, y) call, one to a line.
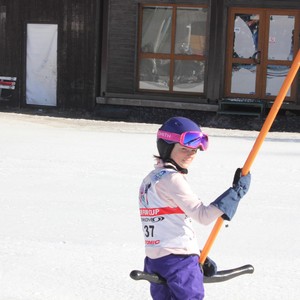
point(256, 147)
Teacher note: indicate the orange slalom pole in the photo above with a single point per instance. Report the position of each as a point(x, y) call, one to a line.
point(255, 149)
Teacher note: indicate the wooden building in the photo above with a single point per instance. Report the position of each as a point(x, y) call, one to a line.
point(189, 54)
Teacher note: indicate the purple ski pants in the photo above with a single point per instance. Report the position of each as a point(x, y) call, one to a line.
point(183, 275)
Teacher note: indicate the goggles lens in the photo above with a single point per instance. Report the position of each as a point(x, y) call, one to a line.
point(190, 139)
point(194, 140)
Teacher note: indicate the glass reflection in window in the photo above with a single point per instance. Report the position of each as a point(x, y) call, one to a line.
point(156, 29)
point(246, 30)
point(243, 79)
point(275, 77)
point(190, 31)
point(154, 74)
point(189, 76)
point(281, 39)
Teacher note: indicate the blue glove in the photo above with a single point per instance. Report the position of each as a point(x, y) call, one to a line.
point(229, 200)
point(241, 183)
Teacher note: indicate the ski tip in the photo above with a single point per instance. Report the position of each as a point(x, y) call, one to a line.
point(135, 274)
point(140, 275)
point(250, 268)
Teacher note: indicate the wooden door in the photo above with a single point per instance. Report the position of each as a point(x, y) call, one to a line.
point(261, 45)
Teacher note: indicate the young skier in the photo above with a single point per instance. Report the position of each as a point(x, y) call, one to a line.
point(167, 205)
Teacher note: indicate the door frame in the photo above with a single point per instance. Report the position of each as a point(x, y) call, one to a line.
point(263, 44)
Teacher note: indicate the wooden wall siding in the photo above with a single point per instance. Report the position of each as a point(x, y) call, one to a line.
point(122, 34)
point(2, 36)
point(78, 64)
point(9, 49)
point(78, 37)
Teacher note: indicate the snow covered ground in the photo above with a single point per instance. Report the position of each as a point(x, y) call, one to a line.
point(69, 222)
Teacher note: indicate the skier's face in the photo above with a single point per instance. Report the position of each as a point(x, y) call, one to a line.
point(183, 156)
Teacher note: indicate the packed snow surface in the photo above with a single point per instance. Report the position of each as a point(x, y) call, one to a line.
point(69, 221)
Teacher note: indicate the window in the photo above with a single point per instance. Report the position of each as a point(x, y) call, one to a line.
point(172, 48)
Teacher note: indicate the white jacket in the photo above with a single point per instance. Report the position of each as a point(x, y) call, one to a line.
point(167, 205)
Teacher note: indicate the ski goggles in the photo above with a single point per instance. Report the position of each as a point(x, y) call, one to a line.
point(190, 139)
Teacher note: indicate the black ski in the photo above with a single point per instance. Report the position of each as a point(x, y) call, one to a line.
point(223, 275)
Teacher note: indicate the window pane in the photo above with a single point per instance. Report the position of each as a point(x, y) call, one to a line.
point(189, 76)
point(156, 29)
point(281, 37)
point(154, 74)
point(190, 31)
point(246, 30)
point(275, 78)
point(243, 79)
